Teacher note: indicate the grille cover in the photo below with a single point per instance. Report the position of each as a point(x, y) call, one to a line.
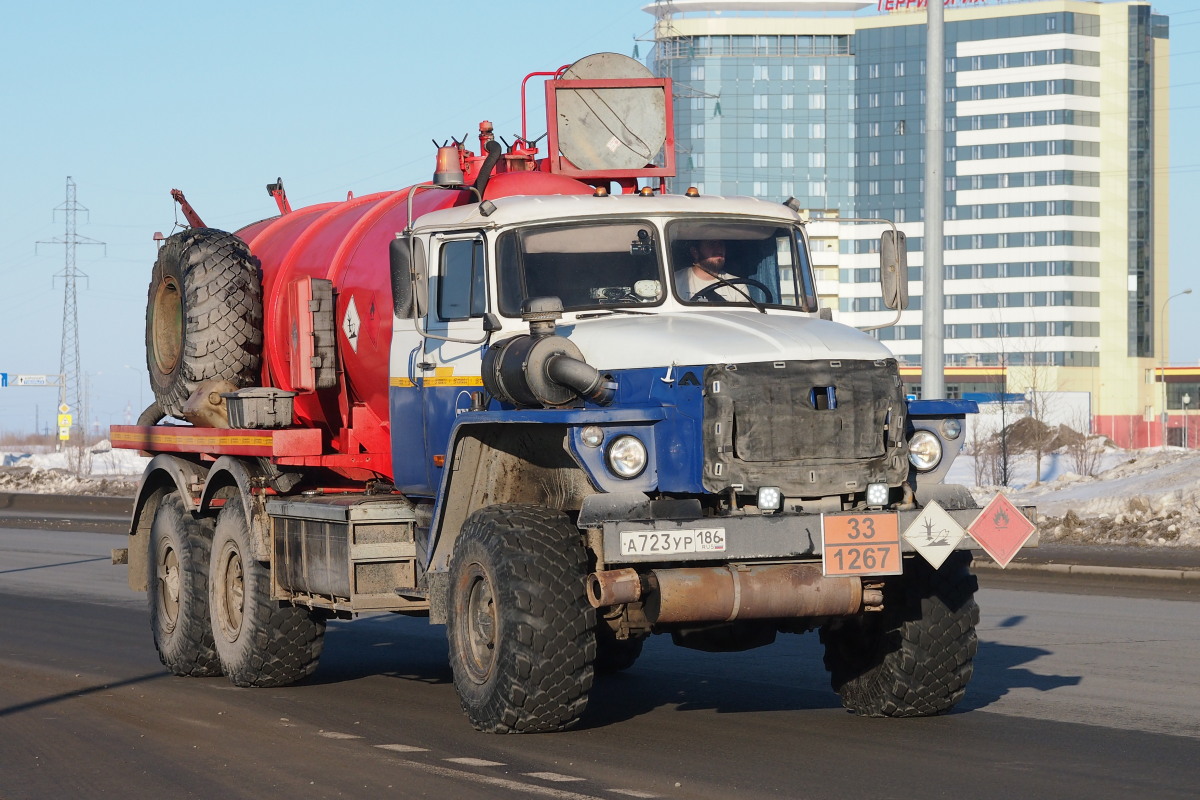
point(812, 428)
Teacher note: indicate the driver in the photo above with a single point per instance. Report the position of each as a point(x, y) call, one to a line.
point(708, 266)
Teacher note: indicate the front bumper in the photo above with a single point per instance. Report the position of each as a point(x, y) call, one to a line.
point(748, 538)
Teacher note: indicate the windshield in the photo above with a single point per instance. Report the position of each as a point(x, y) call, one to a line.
point(585, 265)
point(726, 261)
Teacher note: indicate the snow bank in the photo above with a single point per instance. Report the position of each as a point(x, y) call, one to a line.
point(100, 469)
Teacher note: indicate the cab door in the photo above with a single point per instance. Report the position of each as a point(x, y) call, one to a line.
point(455, 337)
point(437, 348)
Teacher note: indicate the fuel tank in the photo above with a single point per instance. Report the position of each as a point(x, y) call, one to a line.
point(347, 243)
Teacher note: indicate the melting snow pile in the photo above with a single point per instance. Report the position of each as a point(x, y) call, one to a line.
point(1138, 497)
point(98, 470)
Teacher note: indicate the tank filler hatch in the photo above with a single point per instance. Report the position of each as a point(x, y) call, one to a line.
point(610, 118)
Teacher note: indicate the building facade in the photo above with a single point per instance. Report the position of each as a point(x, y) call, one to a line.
point(1055, 233)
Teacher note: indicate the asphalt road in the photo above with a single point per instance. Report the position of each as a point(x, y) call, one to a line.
point(1080, 690)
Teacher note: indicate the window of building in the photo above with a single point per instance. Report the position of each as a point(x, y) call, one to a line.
point(898, 157)
point(698, 73)
point(816, 72)
point(816, 101)
point(787, 101)
point(898, 98)
point(816, 188)
point(815, 159)
point(761, 73)
point(760, 130)
point(816, 130)
point(788, 72)
point(698, 131)
point(898, 69)
point(760, 102)
point(760, 160)
point(787, 160)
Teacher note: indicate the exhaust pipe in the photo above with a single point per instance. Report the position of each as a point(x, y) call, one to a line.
point(733, 591)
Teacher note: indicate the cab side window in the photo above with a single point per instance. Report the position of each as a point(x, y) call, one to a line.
point(462, 286)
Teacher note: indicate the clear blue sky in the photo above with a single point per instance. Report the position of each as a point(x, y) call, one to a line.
point(132, 99)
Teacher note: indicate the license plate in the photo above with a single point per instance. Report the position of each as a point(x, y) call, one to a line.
point(667, 543)
point(861, 544)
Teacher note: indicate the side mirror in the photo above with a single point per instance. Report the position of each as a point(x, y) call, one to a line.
point(893, 268)
point(406, 259)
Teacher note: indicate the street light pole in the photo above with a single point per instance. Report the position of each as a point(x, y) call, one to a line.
point(1162, 362)
point(1187, 401)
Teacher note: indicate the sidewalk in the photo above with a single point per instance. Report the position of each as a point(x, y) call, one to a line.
point(1171, 563)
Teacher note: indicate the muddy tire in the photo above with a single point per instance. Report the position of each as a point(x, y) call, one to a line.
point(521, 632)
point(178, 590)
point(260, 641)
point(915, 658)
point(203, 316)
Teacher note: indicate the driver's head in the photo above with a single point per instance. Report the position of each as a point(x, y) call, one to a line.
point(708, 255)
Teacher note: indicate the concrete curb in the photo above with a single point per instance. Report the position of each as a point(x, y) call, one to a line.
point(1089, 569)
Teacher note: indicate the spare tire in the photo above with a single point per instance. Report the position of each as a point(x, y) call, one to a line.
point(203, 316)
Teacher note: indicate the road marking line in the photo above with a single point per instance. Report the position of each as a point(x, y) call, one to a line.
point(552, 776)
point(504, 783)
point(475, 762)
point(633, 793)
point(402, 748)
point(336, 735)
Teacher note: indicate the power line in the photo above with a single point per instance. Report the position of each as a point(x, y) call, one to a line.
point(69, 363)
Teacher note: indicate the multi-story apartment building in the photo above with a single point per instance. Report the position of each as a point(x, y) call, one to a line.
point(1055, 235)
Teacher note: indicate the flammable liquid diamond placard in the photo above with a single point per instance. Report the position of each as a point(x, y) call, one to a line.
point(1001, 529)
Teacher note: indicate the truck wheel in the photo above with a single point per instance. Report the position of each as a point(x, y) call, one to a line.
point(260, 641)
point(203, 316)
point(178, 592)
point(613, 654)
point(521, 631)
point(914, 658)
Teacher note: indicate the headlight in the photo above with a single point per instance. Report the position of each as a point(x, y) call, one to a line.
point(627, 456)
point(924, 450)
point(951, 428)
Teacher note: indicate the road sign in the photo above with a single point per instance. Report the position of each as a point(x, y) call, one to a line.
point(64, 409)
point(1001, 529)
point(64, 420)
point(934, 534)
point(64, 433)
point(3, 379)
point(32, 380)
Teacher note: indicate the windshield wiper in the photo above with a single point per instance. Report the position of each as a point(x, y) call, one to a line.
point(608, 311)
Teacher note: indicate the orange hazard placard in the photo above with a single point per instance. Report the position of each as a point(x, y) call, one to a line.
point(861, 544)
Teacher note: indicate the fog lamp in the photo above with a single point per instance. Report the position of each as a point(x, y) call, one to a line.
point(877, 495)
point(952, 428)
point(769, 498)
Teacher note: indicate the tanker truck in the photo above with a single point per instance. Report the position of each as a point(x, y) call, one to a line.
point(558, 409)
